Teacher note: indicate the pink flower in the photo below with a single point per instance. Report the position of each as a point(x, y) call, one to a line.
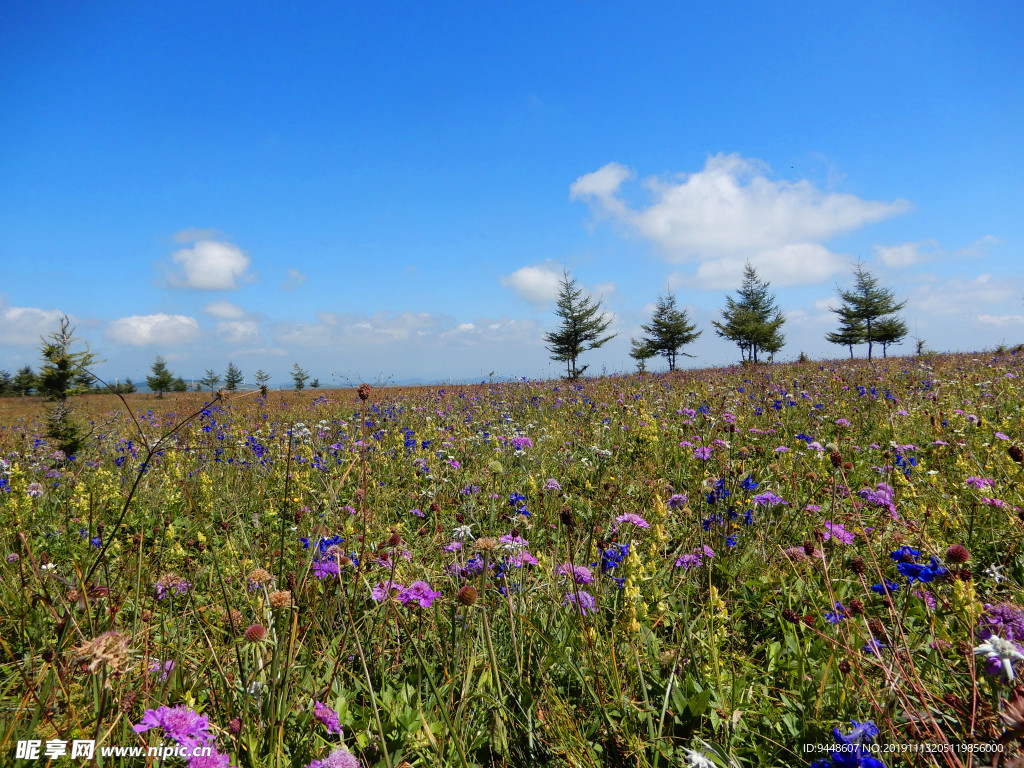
point(636, 520)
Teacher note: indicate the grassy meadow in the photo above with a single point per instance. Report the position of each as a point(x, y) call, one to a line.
point(712, 568)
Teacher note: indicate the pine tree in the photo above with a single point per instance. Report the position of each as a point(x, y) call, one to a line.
point(582, 329)
point(851, 329)
point(753, 321)
point(63, 374)
point(641, 352)
point(162, 379)
point(210, 379)
point(868, 303)
point(24, 381)
point(179, 385)
point(6, 383)
point(232, 377)
point(670, 330)
point(890, 330)
point(300, 376)
point(261, 379)
point(314, 384)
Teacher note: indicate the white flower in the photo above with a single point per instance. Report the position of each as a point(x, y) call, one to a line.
point(995, 572)
point(697, 759)
point(1003, 650)
point(462, 532)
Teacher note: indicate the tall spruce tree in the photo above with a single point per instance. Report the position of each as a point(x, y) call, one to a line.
point(670, 330)
point(300, 376)
point(162, 379)
point(24, 381)
point(210, 379)
point(63, 374)
point(872, 308)
point(582, 329)
point(753, 321)
point(233, 377)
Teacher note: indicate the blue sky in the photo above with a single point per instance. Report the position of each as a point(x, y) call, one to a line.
point(391, 189)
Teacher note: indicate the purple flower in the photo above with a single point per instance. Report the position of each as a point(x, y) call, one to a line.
point(636, 520)
point(385, 590)
point(322, 569)
point(418, 512)
point(552, 485)
point(1001, 436)
point(689, 561)
point(702, 453)
point(583, 601)
point(838, 532)
point(578, 573)
point(13, 557)
point(165, 670)
point(339, 758)
point(842, 423)
point(979, 482)
point(328, 717)
point(419, 592)
point(520, 442)
point(677, 501)
point(186, 727)
point(768, 499)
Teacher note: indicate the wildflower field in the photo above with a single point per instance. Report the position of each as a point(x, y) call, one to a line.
point(785, 565)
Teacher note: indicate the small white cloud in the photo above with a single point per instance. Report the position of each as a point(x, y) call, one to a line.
point(225, 310)
point(537, 284)
point(192, 234)
point(238, 331)
point(294, 281)
point(905, 254)
point(1000, 321)
point(961, 296)
point(210, 265)
point(602, 185)
point(27, 325)
point(150, 330)
point(793, 264)
point(979, 248)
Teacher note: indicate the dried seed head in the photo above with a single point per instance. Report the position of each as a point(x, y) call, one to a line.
point(877, 627)
point(280, 599)
point(1016, 453)
point(231, 618)
point(791, 616)
point(109, 650)
point(796, 554)
point(857, 565)
point(845, 666)
point(260, 576)
point(235, 727)
point(856, 607)
point(809, 548)
point(486, 544)
point(364, 391)
point(467, 595)
point(393, 540)
point(256, 633)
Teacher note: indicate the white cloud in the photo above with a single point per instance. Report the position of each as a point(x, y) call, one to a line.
point(962, 296)
point(294, 281)
point(826, 305)
point(417, 330)
point(210, 265)
point(151, 330)
point(905, 254)
point(537, 284)
point(26, 325)
point(238, 331)
point(225, 310)
point(1000, 321)
point(730, 212)
point(979, 248)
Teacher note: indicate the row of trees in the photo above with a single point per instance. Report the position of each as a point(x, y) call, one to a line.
point(752, 319)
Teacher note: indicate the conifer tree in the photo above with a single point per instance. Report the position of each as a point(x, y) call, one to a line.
point(640, 352)
point(582, 329)
point(851, 329)
point(232, 377)
point(300, 376)
point(262, 377)
point(24, 381)
point(670, 330)
point(162, 379)
point(63, 374)
point(210, 379)
point(869, 306)
point(753, 321)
